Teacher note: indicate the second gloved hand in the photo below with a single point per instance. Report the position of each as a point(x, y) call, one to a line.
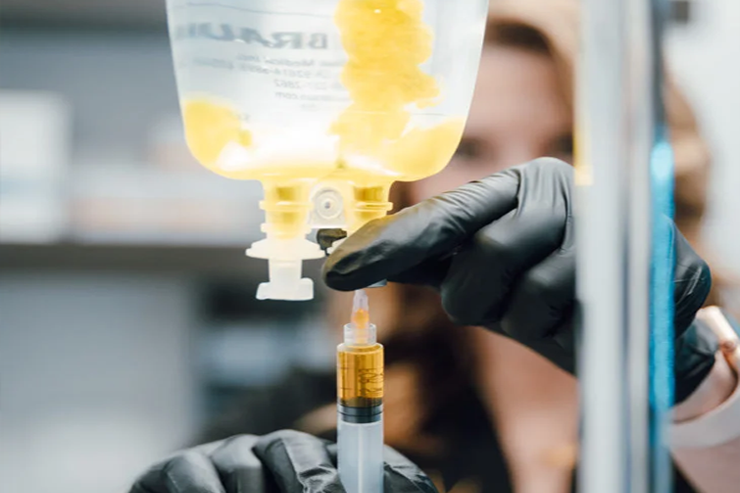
point(282, 462)
point(501, 253)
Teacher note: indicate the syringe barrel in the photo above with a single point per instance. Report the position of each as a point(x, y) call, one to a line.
point(360, 458)
point(360, 409)
point(360, 375)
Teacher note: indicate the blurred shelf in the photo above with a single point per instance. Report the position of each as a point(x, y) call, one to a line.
point(85, 14)
point(218, 261)
point(131, 206)
point(193, 259)
point(141, 180)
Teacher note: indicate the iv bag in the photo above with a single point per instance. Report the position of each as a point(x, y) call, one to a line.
point(326, 103)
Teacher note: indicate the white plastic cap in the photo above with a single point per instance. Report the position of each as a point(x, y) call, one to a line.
point(285, 282)
point(285, 260)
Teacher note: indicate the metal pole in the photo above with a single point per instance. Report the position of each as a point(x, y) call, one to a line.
point(601, 228)
point(640, 80)
point(614, 139)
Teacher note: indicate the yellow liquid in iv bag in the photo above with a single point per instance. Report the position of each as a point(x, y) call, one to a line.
point(385, 42)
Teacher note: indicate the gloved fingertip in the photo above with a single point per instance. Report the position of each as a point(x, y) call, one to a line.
point(262, 445)
point(190, 472)
point(344, 270)
point(237, 464)
point(336, 280)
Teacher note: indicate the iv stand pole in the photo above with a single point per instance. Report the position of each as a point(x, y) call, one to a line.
point(616, 115)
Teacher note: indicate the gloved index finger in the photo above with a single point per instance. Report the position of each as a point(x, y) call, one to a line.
point(389, 246)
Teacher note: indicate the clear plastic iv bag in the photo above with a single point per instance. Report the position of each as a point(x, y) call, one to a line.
point(326, 103)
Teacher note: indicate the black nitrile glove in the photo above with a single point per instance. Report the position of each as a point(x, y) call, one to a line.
point(285, 462)
point(500, 251)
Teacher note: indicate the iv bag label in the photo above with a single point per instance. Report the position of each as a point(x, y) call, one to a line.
point(227, 32)
point(265, 58)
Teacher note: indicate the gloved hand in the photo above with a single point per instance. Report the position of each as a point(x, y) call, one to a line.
point(285, 461)
point(500, 251)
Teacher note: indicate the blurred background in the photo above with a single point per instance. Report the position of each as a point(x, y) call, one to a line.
point(127, 311)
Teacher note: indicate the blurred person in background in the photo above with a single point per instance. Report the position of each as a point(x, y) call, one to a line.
point(476, 409)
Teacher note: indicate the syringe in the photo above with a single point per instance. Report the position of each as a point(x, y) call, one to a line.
point(360, 403)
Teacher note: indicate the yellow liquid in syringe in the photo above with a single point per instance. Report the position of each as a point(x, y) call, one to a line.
point(385, 41)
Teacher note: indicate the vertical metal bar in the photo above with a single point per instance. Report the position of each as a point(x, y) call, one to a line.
point(640, 83)
point(615, 122)
point(601, 232)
